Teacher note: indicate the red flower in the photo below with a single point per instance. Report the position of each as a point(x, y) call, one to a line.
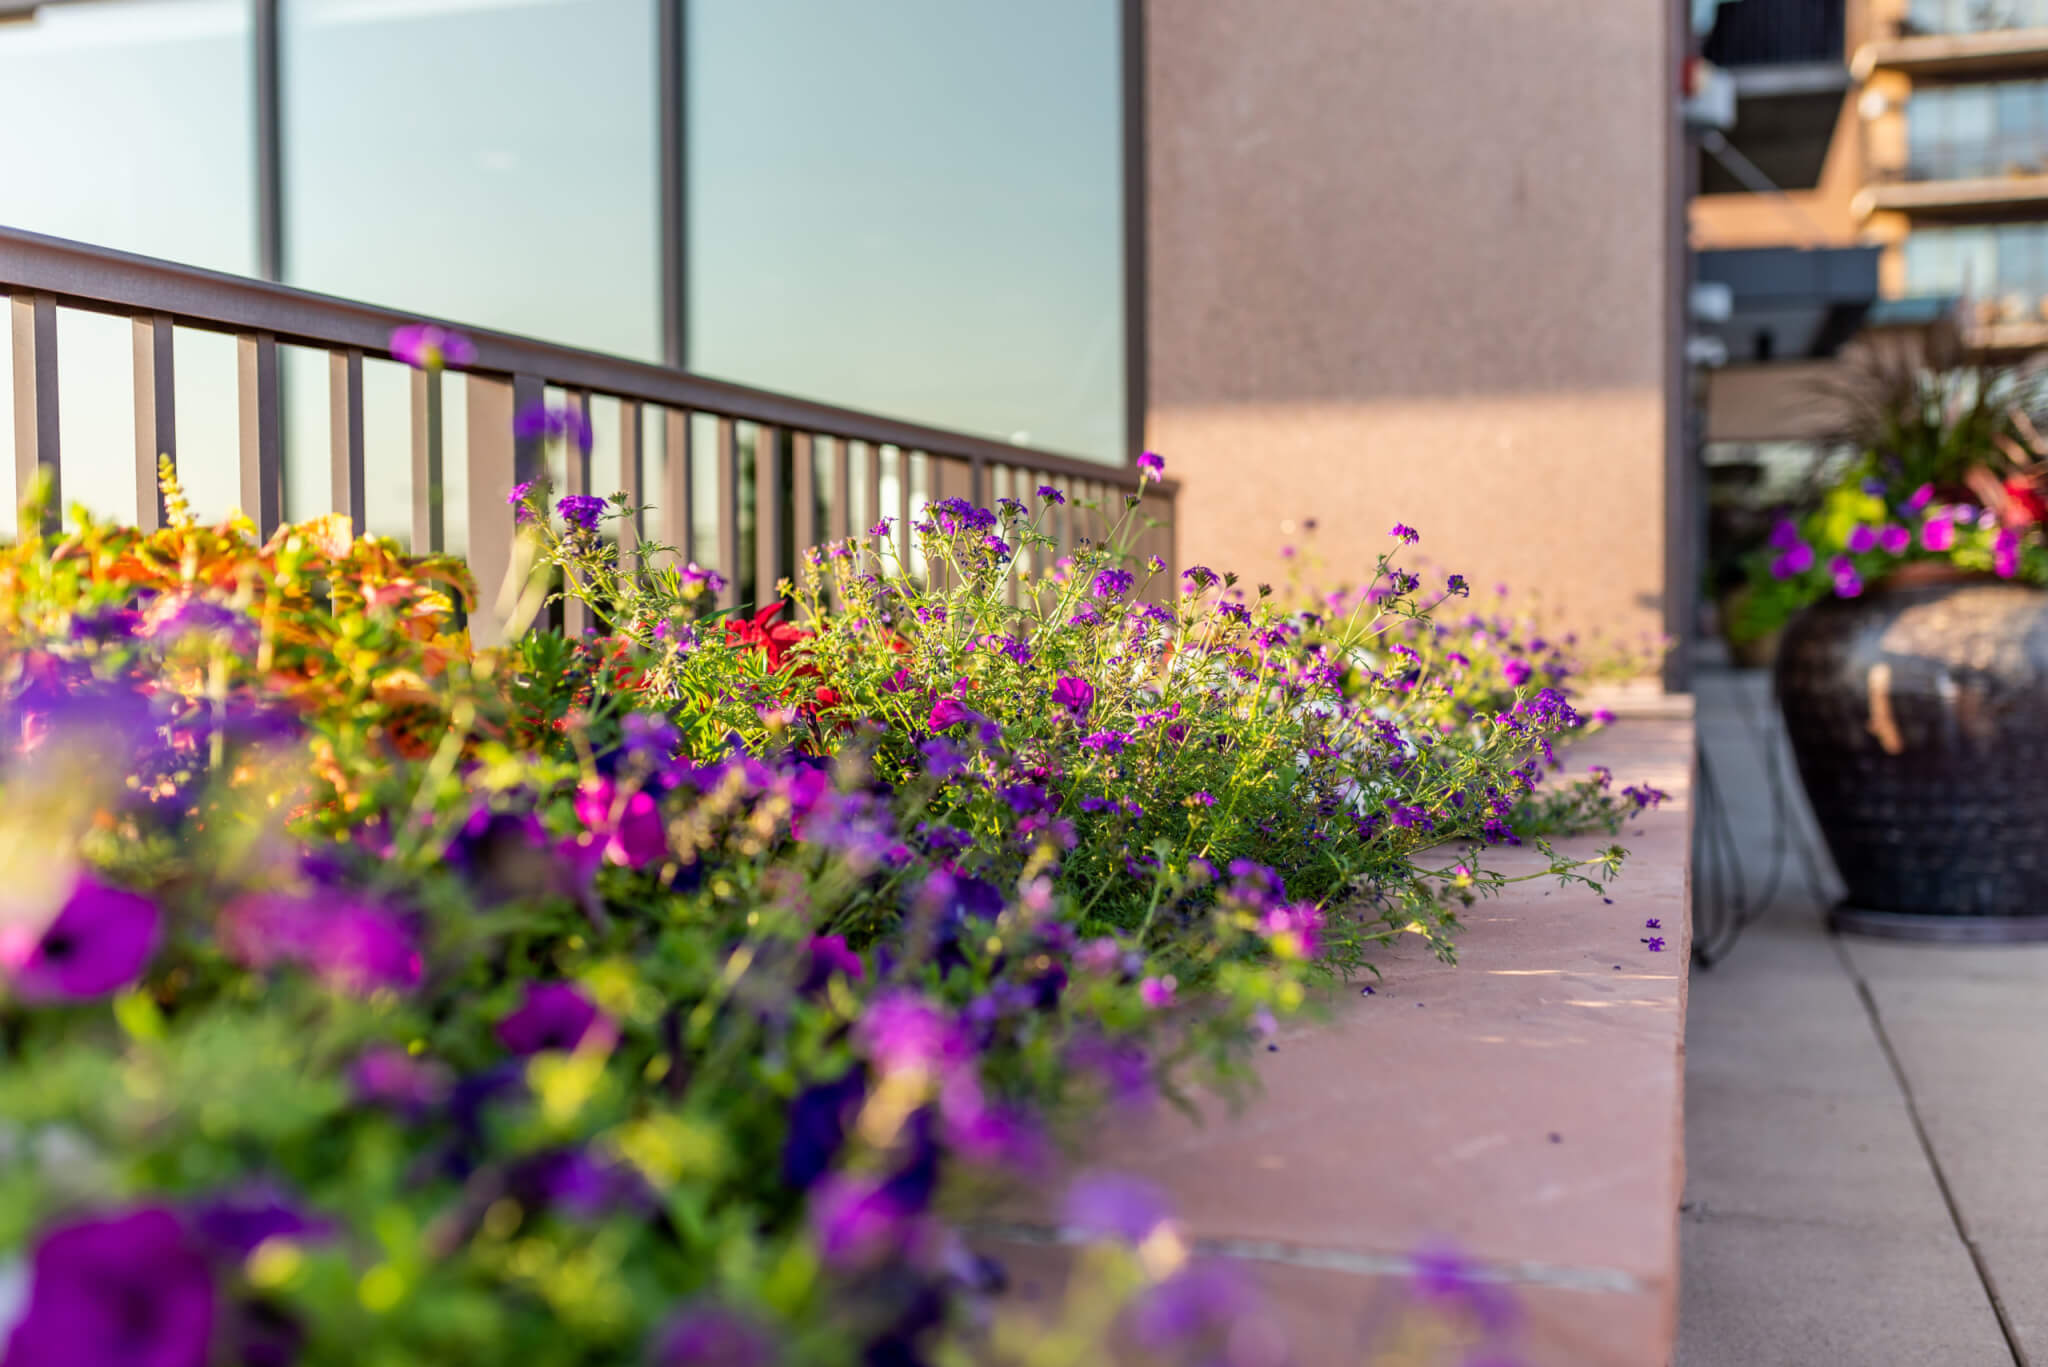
point(828, 697)
point(2024, 505)
point(763, 632)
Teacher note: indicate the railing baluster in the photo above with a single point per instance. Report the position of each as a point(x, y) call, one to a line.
point(977, 482)
point(871, 514)
point(803, 495)
point(156, 427)
point(768, 492)
point(498, 461)
point(728, 458)
point(345, 427)
point(576, 620)
point(903, 538)
point(841, 520)
point(429, 522)
point(678, 495)
point(262, 461)
point(632, 482)
point(35, 400)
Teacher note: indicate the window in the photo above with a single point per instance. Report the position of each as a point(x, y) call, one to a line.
point(913, 208)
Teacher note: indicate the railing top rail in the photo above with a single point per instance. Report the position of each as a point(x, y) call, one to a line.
point(80, 275)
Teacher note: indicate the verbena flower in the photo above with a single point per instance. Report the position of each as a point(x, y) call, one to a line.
point(705, 1334)
point(581, 511)
point(1405, 534)
point(1051, 494)
point(1151, 466)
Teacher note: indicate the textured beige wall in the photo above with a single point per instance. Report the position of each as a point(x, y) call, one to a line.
point(1410, 259)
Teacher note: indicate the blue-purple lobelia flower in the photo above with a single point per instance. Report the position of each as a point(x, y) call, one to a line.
point(706, 1334)
point(1073, 695)
point(128, 1290)
point(428, 346)
point(539, 421)
point(581, 511)
point(554, 1016)
point(97, 944)
point(1151, 466)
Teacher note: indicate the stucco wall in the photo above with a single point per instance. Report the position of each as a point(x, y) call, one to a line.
point(1413, 259)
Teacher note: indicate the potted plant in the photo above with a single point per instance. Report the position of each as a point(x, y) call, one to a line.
point(1914, 658)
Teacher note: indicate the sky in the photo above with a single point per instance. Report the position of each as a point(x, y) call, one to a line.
point(911, 207)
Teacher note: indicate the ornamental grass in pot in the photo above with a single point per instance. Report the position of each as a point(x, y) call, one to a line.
point(1914, 660)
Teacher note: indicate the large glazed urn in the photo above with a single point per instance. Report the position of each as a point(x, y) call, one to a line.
point(1918, 713)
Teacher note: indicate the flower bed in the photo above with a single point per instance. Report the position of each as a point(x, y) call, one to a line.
point(671, 993)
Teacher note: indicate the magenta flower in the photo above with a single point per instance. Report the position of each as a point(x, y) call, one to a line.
point(390, 1077)
point(1784, 534)
point(1863, 539)
point(1938, 533)
point(130, 1290)
point(2005, 554)
point(830, 955)
point(350, 946)
point(633, 831)
point(1797, 560)
point(1922, 496)
point(427, 346)
point(902, 1032)
point(691, 574)
point(1404, 534)
point(1157, 993)
point(1516, 670)
point(1895, 540)
point(553, 1017)
point(1073, 695)
point(581, 511)
point(98, 943)
point(857, 1221)
point(1151, 466)
point(948, 712)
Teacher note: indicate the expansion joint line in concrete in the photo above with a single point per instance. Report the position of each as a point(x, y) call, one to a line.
point(1348, 1261)
point(1955, 1211)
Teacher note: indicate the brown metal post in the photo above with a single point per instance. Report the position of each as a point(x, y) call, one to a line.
point(35, 400)
point(632, 483)
point(262, 460)
point(345, 433)
point(428, 482)
point(769, 551)
point(156, 427)
point(727, 457)
point(803, 493)
point(678, 508)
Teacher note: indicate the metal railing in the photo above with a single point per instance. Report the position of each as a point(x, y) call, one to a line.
point(1978, 158)
point(802, 492)
point(1775, 32)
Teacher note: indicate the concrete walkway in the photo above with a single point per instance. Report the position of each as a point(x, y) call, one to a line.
point(1867, 1177)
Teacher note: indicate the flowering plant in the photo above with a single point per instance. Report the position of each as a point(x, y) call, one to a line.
point(667, 995)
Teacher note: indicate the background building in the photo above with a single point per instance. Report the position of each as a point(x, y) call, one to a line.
point(1342, 263)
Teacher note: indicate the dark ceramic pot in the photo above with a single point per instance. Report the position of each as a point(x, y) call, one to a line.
point(1918, 713)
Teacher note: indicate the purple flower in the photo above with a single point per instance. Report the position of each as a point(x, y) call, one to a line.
point(1202, 1301)
point(1108, 1205)
point(553, 424)
point(1848, 583)
point(1108, 742)
point(1073, 695)
point(829, 955)
point(1443, 1276)
point(1653, 924)
point(633, 831)
point(97, 943)
point(516, 496)
point(129, 1290)
point(1863, 539)
point(1938, 533)
point(1151, 466)
point(1158, 993)
point(902, 1033)
point(1457, 587)
point(1050, 494)
point(554, 1016)
point(392, 1078)
point(236, 1224)
point(693, 575)
point(1656, 944)
point(581, 511)
point(1784, 534)
point(706, 1334)
point(1895, 540)
point(942, 758)
point(1404, 534)
point(857, 1220)
point(1922, 496)
point(1516, 670)
point(1111, 584)
point(1797, 560)
point(427, 346)
point(949, 712)
point(2005, 553)
point(350, 946)
point(1155, 564)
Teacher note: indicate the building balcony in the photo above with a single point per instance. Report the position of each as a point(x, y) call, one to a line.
point(1961, 179)
point(1979, 53)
